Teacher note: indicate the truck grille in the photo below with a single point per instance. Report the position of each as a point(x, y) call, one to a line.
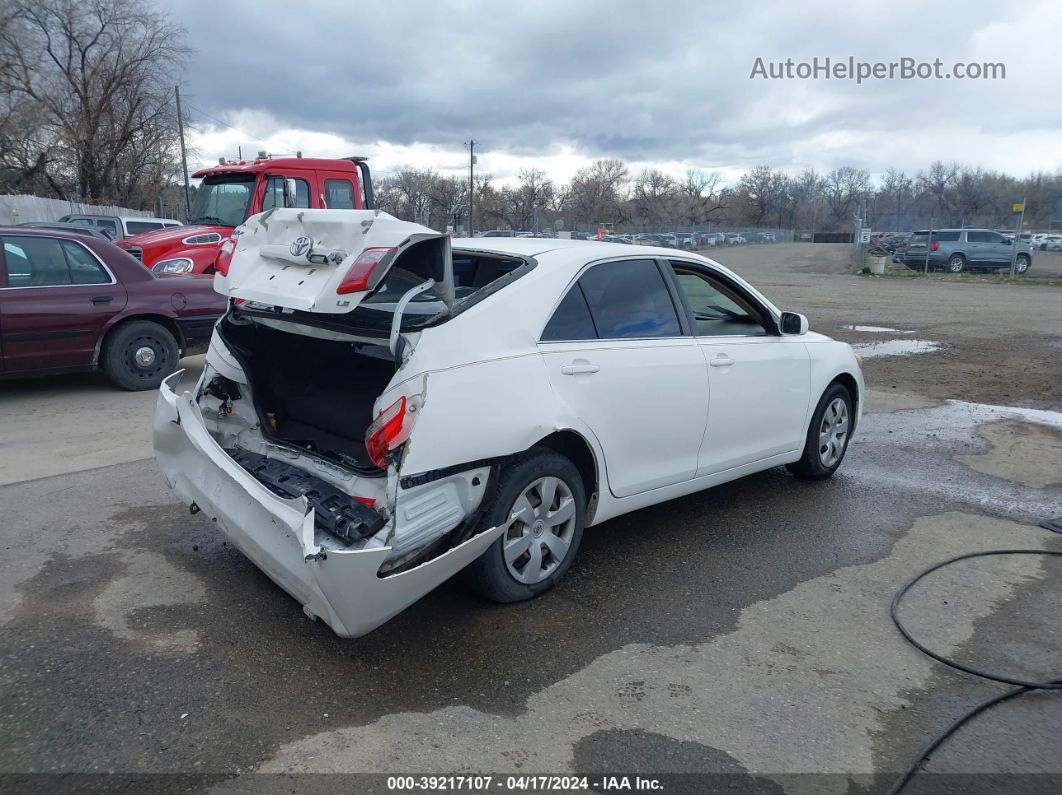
point(137, 252)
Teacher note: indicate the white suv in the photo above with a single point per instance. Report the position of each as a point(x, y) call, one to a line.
point(379, 411)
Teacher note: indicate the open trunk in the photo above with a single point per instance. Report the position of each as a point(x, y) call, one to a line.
point(312, 393)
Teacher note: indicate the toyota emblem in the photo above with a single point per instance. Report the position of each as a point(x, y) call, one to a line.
point(301, 246)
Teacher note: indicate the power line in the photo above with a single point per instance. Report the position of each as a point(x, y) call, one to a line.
point(224, 124)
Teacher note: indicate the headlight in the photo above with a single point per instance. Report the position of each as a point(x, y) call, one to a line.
point(177, 265)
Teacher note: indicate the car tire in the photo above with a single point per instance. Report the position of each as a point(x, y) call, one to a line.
point(502, 575)
point(139, 354)
point(956, 263)
point(826, 442)
point(1021, 263)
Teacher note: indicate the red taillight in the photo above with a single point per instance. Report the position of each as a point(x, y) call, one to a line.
point(357, 278)
point(390, 429)
point(934, 245)
point(221, 264)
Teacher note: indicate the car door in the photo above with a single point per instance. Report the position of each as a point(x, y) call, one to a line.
point(999, 249)
point(618, 356)
point(978, 247)
point(759, 381)
point(55, 303)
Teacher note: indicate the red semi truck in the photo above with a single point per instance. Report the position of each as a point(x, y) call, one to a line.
point(233, 190)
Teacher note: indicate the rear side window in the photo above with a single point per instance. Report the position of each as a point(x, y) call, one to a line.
point(941, 236)
point(629, 299)
point(978, 237)
point(84, 268)
point(107, 226)
point(136, 227)
point(571, 320)
point(339, 194)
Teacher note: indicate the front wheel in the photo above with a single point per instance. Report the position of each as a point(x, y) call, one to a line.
point(542, 499)
point(828, 436)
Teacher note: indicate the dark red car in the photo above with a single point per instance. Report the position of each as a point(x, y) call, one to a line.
point(68, 303)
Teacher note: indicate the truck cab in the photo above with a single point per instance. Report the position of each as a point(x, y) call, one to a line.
point(234, 190)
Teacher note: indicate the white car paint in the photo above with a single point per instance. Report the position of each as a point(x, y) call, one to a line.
point(661, 417)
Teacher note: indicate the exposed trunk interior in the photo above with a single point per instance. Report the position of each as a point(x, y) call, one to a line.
point(313, 393)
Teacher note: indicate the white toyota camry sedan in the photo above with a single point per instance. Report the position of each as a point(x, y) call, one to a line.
point(382, 407)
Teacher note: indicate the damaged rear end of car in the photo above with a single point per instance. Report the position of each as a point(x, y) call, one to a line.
point(294, 439)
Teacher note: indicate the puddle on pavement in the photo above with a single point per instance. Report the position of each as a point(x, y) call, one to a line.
point(877, 330)
point(872, 350)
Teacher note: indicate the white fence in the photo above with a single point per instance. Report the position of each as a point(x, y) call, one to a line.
point(19, 208)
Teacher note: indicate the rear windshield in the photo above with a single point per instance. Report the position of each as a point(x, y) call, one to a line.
point(941, 235)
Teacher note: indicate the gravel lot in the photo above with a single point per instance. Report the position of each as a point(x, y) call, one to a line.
point(742, 631)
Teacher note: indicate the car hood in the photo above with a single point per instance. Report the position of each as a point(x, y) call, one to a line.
point(171, 236)
point(297, 259)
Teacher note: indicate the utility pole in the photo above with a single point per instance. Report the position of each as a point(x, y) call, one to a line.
point(471, 185)
point(184, 156)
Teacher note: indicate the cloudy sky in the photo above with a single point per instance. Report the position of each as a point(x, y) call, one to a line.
point(557, 83)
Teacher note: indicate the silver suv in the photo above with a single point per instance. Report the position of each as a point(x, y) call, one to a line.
point(957, 250)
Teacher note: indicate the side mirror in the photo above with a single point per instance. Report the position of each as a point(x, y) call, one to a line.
point(291, 191)
point(793, 323)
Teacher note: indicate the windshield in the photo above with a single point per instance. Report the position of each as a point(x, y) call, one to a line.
point(223, 200)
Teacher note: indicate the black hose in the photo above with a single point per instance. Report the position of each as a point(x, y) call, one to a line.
point(1022, 686)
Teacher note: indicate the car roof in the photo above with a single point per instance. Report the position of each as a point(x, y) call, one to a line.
point(37, 231)
point(534, 246)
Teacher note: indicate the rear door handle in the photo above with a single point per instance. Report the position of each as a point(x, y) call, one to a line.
point(102, 299)
point(576, 369)
point(722, 360)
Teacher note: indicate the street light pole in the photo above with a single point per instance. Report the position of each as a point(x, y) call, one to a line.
point(471, 184)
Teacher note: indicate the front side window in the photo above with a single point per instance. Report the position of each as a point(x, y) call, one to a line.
point(718, 310)
point(108, 227)
point(35, 262)
point(629, 299)
point(339, 194)
point(223, 200)
point(274, 193)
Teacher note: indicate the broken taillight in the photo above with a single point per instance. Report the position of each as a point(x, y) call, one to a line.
point(357, 277)
point(390, 429)
point(221, 264)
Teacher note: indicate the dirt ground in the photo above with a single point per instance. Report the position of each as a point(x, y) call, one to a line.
point(999, 343)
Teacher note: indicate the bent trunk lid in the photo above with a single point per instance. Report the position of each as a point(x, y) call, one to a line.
point(297, 258)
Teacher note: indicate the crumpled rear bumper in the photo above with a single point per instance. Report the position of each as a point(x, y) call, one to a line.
point(343, 587)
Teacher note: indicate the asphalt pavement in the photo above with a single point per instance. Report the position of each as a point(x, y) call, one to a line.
point(743, 631)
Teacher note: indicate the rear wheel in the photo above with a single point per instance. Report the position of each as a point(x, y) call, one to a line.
point(543, 494)
point(956, 263)
point(1021, 263)
point(138, 355)
point(828, 435)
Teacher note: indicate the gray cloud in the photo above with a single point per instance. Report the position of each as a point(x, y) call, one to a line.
point(640, 81)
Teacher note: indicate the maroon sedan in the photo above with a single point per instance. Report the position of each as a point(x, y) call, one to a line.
point(71, 303)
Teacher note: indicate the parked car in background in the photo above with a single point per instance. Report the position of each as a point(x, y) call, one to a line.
point(734, 239)
point(232, 191)
point(336, 445)
point(76, 229)
point(119, 227)
point(957, 250)
point(69, 302)
point(1053, 243)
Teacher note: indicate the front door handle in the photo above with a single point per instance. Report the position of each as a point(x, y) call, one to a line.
point(102, 299)
point(577, 369)
point(722, 360)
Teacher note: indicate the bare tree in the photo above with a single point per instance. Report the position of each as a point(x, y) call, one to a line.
point(699, 196)
point(654, 196)
point(597, 192)
point(844, 188)
point(99, 74)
